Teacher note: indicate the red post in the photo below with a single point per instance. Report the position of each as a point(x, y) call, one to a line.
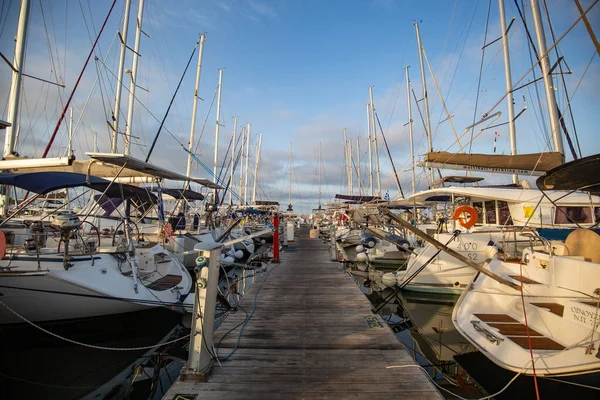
point(276, 238)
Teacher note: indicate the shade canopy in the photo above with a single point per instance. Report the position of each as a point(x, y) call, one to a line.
point(582, 174)
point(46, 182)
point(356, 199)
point(183, 194)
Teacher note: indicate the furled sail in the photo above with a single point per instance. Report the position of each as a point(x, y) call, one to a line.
point(535, 164)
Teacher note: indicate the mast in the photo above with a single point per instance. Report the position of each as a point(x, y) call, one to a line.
point(133, 72)
point(348, 154)
point(243, 135)
point(425, 98)
point(217, 126)
point(320, 161)
point(548, 85)
point(249, 135)
point(290, 189)
point(257, 152)
point(195, 106)
point(375, 141)
point(232, 166)
point(117, 113)
point(14, 99)
point(410, 133)
point(370, 153)
point(359, 175)
point(508, 78)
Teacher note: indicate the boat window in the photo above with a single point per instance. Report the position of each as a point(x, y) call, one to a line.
point(571, 215)
point(478, 206)
point(504, 213)
point(597, 214)
point(490, 212)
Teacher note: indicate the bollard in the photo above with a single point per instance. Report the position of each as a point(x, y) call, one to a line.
point(200, 358)
point(334, 255)
point(285, 232)
point(276, 238)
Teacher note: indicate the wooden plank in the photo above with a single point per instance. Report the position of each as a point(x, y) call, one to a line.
point(495, 318)
point(308, 338)
point(513, 329)
point(537, 343)
point(554, 308)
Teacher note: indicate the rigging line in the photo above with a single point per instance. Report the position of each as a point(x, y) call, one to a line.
point(62, 116)
point(206, 119)
point(54, 37)
point(140, 102)
point(54, 69)
point(5, 17)
point(533, 48)
point(171, 103)
point(487, 24)
point(543, 55)
point(448, 115)
point(461, 52)
point(211, 173)
point(566, 93)
point(390, 156)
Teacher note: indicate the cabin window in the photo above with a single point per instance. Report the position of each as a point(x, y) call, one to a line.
point(478, 206)
point(490, 212)
point(596, 214)
point(571, 215)
point(504, 213)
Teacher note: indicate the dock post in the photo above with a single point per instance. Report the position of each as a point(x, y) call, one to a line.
point(276, 238)
point(200, 358)
point(285, 232)
point(333, 247)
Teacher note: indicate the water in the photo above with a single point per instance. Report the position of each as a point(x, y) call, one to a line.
point(423, 323)
point(34, 364)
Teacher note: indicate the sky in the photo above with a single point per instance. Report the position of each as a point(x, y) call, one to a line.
point(299, 71)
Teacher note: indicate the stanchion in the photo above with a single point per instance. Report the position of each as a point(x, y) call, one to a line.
point(276, 238)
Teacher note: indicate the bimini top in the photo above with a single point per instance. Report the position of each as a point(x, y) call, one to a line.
point(46, 182)
point(512, 195)
point(183, 194)
point(582, 174)
point(356, 199)
point(130, 162)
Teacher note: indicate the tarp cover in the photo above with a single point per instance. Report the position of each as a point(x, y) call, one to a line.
point(528, 162)
point(582, 174)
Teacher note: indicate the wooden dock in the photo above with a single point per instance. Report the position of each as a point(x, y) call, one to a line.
point(312, 336)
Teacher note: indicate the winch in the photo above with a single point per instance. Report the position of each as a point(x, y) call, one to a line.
point(66, 222)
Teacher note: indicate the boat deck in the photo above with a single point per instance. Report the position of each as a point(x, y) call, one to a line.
point(312, 335)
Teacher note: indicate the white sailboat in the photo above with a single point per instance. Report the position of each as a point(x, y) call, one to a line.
point(551, 326)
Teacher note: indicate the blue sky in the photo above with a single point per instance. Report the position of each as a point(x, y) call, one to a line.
point(299, 72)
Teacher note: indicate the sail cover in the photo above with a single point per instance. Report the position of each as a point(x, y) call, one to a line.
point(536, 163)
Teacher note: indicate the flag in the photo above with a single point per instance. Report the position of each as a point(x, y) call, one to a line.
point(386, 197)
point(496, 134)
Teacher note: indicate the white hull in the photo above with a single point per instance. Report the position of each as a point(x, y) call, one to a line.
point(85, 290)
point(559, 319)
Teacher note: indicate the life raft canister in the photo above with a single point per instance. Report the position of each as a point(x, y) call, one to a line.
point(467, 224)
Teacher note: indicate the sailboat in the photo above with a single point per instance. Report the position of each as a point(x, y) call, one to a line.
point(470, 217)
point(551, 325)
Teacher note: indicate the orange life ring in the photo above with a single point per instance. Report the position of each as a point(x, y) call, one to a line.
point(462, 221)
